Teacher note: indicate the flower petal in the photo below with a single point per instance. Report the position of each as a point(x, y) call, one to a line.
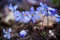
point(23, 33)
point(32, 9)
point(11, 7)
point(57, 19)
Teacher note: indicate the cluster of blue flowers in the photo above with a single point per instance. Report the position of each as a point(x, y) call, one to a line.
point(32, 15)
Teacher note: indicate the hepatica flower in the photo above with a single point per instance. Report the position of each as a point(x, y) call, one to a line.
point(35, 17)
point(23, 33)
point(7, 33)
point(49, 10)
point(32, 10)
point(18, 16)
point(12, 8)
point(26, 16)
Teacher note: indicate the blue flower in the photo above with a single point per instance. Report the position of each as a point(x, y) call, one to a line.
point(49, 10)
point(35, 17)
point(23, 33)
point(32, 10)
point(11, 7)
point(18, 16)
point(26, 16)
point(7, 33)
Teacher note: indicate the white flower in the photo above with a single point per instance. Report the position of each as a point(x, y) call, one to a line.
point(51, 33)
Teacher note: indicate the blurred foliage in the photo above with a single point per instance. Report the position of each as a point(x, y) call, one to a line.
point(55, 2)
point(43, 33)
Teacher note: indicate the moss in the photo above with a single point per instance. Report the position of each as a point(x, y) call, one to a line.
point(43, 33)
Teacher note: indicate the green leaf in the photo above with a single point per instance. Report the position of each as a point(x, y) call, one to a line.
point(43, 33)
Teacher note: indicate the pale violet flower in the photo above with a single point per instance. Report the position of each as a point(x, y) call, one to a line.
point(18, 16)
point(35, 17)
point(32, 10)
point(28, 14)
point(23, 33)
point(49, 10)
point(7, 33)
point(12, 8)
point(26, 17)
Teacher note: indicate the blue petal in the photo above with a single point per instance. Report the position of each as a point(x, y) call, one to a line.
point(28, 14)
point(11, 7)
point(57, 19)
point(43, 12)
point(52, 12)
point(5, 36)
point(4, 30)
point(9, 30)
point(26, 19)
point(37, 17)
point(23, 33)
point(33, 19)
point(38, 8)
point(57, 15)
point(23, 13)
point(8, 36)
point(41, 4)
point(45, 6)
point(15, 7)
point(17, 16)
point(49, 8)
point(32, 9)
